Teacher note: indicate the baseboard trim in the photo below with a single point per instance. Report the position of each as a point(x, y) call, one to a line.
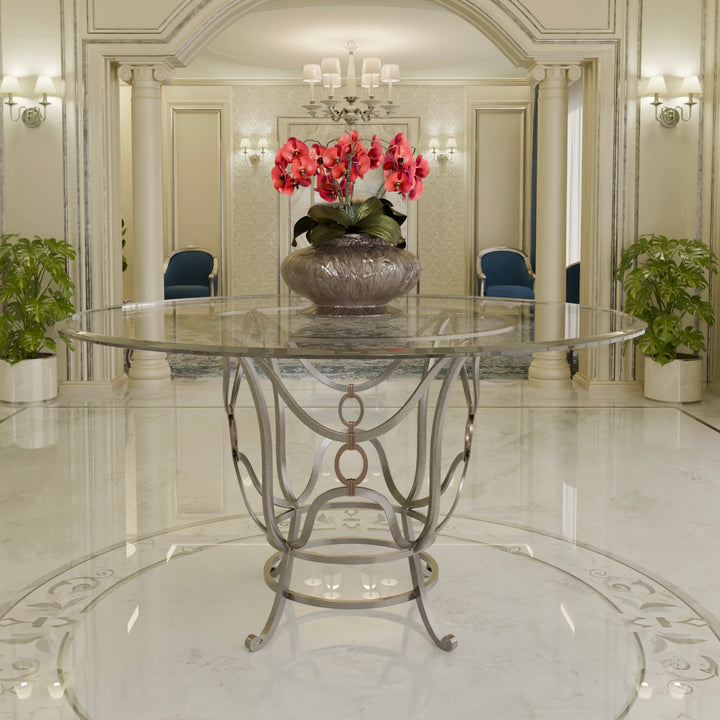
point(608, 389)
point(99, 387)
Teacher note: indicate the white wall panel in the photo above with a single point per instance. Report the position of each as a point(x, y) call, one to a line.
point(197, 159)
point(500, 177)
point(196, 179)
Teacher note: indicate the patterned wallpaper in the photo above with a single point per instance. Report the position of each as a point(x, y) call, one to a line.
point(442, 225)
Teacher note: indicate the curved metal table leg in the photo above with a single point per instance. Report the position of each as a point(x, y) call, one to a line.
point(283, 571)
point(445, 642)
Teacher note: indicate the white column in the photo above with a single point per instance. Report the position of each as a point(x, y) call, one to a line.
point(149, 371)
point(549, 370)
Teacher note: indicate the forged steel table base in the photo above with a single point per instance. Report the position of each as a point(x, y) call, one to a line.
point(412, 517)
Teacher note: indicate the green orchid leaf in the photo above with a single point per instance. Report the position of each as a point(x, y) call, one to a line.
point(391, 212)
point(327, 214)
point(325, 232)
point(303, 225)
point(371, 206)
point(383, 227)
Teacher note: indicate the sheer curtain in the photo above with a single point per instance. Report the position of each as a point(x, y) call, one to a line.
point(574, 165)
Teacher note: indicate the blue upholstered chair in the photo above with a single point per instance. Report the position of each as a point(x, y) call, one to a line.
point(572, 283)
point(190, 272)
point(505, 272)
point(572, 295)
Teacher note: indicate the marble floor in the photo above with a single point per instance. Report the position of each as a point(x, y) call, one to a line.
point(580, 573)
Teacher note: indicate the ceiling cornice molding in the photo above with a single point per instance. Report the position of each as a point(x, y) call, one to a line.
point(460, 82)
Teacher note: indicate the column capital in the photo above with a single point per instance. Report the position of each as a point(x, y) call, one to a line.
point(132, 73)
point(569, 73)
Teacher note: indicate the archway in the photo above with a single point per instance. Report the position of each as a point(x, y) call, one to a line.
point(510, 31)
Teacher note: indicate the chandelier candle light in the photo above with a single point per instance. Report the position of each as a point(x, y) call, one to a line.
point(350, 109)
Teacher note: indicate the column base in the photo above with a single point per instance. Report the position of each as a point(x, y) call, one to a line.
point(149, 372)
point(549, 371)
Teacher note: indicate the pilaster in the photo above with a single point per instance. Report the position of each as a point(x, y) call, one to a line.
point(149, 371)
point(549, 370)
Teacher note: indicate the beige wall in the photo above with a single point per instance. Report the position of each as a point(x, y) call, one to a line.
point(33, 164)
point(676, 186)
point(63, 178)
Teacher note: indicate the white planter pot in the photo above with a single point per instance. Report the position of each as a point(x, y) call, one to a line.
point(29, 380)
point(677, 381)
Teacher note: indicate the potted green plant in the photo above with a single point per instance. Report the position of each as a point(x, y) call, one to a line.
point(35, 293)
point(663, 280)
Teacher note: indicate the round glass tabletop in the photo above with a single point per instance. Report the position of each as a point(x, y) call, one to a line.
point(414, 326)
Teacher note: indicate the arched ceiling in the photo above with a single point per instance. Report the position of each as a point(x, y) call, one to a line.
point(426, 41)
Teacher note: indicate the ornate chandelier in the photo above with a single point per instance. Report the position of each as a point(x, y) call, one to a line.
point(350, 108)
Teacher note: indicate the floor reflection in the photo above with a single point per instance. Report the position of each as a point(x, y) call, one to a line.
point(576, 575)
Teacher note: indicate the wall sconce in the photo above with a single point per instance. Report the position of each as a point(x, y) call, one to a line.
point(668, 116)
point(254, 155)
point(443, 156)
point(33, 116)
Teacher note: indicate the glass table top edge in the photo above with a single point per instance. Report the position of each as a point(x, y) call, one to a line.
point(226, 315)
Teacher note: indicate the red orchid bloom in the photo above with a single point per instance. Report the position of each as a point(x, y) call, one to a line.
point(326, 188)
point(375, 153)
point(422, 167)
point(303, 169)
point(337, 168)
point(422, 170)
point(399, 154)
point(360, 165)
point(291, 149)
point(325, 157)
point(399, 182)
point(348, 141)
point(282, 182)
point(417, 190)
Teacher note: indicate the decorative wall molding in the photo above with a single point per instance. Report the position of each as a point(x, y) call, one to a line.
point(155, 18)
point(554, 19)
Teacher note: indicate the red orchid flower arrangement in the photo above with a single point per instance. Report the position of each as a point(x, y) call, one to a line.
point(336, 168)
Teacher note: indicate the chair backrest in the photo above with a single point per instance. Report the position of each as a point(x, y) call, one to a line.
point(191, 266)
point(504, 266)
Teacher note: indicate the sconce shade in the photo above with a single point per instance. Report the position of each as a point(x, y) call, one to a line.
point(434, 143)
point(9, 84)
point(692, 85)
point(656, 85)
point(262, 144)
point(451, 143)
point(245, 144)
point(45, 85)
